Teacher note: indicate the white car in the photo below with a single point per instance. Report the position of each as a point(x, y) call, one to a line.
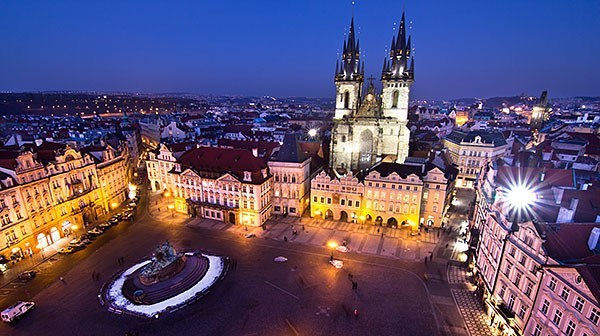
point(336, 263)
point(342, 248)
point(250, 235)
point(15, 311)
point(280, 259)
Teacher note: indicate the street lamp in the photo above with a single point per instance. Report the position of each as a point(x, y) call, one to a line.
point(73, 229)
point(312, 132)
point(171, 208)
point(332, 245)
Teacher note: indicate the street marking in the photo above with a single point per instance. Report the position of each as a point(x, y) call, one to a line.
point(292, 327)
point(283, 290)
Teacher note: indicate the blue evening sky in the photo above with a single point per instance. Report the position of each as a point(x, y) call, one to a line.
point(289, 48)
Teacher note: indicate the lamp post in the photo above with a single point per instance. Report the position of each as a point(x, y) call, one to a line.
point(73, 229)
point(332, 245)
point(171, 208)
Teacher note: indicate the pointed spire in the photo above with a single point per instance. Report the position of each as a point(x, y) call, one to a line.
point(337, 67)
point(393, 47)
point(408, 50)
point(384, 70)
point(400, 43)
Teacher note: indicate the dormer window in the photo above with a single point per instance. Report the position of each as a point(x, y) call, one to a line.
point(247, 176)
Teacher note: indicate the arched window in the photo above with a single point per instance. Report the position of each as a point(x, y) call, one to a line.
point(343, 138)
point(346, 99)
point(395, 98)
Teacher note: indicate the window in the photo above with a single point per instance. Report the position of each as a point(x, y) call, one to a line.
point(579, 303)
point(570, 328)
point(545, 306)
point(315, 199)
point(537, 331)
point(528, 289)
point(552, 284)
point(557, 317)
point(517, 279)
point(565, 293)
point(342, 202)
point(357, 204)
point(511, 301)
point(594, 315)
point(522, 311)
point(328, 200)
point(322, 199)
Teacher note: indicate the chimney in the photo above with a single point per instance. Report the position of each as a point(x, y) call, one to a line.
point(594, 239)
point(255, 152)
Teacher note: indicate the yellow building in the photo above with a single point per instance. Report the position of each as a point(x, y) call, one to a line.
point(387, 194)
point(49, 191)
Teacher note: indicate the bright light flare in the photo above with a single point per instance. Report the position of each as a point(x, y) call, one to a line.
point(312, 132)
point(520, 197)
point(332, 244)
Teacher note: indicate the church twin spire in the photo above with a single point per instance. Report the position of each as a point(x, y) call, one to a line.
point(401, 63)
point(350, 68)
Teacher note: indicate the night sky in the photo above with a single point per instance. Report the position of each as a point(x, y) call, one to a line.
point(289, 48)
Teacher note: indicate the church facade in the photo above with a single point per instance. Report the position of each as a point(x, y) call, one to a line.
point(371, 127)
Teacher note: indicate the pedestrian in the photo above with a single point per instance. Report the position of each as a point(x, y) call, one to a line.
point(303, 229)
point(61, 279)
point(382, 235)
point(285, 239)
point(431, 257)
point(425, 260)
point(377, 230)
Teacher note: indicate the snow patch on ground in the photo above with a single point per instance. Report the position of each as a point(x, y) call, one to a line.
point(119, 301)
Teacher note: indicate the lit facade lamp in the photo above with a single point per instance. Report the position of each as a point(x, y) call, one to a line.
point(312, 132)
point(520, 198)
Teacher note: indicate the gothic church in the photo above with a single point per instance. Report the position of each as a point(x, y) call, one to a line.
point(371, 127)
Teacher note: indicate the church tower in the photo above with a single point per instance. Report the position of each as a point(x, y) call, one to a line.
point(348, 77)
point(372, 128)
point(398, 76)
point(541, 112)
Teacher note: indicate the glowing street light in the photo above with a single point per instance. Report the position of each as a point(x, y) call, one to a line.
point(312, 132)
point(332, 245)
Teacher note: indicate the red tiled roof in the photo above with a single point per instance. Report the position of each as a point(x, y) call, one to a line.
point(568, 242)
point(224, 160)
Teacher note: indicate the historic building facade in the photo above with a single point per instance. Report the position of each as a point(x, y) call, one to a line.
point(290, 168)
point(472, 150)
point(389, 194)
point(50, 191)
point(224, 184)
point(369, 128)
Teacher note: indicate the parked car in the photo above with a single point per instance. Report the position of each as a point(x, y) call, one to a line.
point(113, 221)
point(88, 237)
point(27, 275)
point(336, 263)
point(105, 225)
point(66, 250)
point(250, 235)
point(16, 310)
point(343, 249)
point(77, 246)
point(280, 259)
point(75, 241)
point(95, 231)
point(86, 241)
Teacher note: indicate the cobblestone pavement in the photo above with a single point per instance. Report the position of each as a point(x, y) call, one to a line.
point(469, 305)
point(470, 308)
